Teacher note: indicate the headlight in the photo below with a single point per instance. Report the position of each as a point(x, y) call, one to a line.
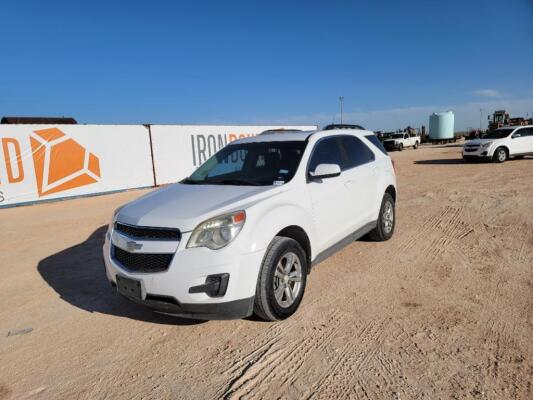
point(114, 218)
point(217, 232)
point(486, 145)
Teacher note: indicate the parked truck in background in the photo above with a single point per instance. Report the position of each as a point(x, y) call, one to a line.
point(501, 118)
point(402, 140)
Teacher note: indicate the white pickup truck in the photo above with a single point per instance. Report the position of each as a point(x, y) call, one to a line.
point(400, 141)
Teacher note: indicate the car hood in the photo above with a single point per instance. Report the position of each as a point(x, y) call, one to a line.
point(477, 142)
point(185, 206)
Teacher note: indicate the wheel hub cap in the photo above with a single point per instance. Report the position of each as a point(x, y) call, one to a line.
point(287, 279)
point(387, 218)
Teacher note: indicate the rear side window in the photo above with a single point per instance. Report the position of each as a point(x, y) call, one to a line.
point(375, 141)
point(327, 151)
point(355, 152)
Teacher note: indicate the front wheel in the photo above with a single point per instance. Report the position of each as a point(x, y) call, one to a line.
point(500, 155)
point(416, 145)
point(282, 279)
point(386, 220)
point(400, 148)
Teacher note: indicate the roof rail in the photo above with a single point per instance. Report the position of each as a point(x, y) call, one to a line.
point(279, 130)
point(342, 126)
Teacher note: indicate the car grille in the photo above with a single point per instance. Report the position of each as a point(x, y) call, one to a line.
point(470, 149)
point(142, 262)
point(148, 233)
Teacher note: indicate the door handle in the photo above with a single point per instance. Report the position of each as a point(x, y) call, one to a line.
point(348, 183)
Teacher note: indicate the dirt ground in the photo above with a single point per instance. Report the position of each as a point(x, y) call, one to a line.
point(443, 310)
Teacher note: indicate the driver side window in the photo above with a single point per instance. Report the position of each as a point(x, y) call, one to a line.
point(525, 132)
point(327, 151)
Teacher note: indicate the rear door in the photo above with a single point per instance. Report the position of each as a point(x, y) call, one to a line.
point(361, 173)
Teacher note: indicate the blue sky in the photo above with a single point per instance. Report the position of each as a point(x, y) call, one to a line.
point(243, 62)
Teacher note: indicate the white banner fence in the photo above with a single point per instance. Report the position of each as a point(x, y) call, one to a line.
point(46, 162)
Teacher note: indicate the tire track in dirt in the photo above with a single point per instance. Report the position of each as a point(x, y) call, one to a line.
point(342, 379)
point(264, 367)
point(445, 231)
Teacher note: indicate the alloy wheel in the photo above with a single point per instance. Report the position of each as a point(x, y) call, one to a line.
point(287, 279)
point(387, 218)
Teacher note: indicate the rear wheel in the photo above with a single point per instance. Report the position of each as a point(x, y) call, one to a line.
point(386, 220)
point(416, 145)
point(282, 279)
point(500, 155)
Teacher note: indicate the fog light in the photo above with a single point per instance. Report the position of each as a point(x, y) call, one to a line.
point(214, 286)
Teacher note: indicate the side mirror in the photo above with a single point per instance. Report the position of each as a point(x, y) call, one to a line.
point(323, 171)
point(515, 135)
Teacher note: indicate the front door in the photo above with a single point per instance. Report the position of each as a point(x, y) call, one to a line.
point(520, 141)
point(330, 197)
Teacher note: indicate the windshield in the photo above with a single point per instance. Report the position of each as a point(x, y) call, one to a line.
point(497, 134)
point(397, 136)
point(255, 164)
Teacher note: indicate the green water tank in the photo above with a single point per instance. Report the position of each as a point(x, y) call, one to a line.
point(441, 125)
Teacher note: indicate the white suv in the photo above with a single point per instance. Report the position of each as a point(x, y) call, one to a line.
point(500, 144)
point(239, 236)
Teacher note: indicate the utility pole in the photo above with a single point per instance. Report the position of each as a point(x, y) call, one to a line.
point(480, 117)
point(341, 101)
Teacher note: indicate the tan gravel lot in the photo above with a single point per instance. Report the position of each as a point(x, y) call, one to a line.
point(443, 310)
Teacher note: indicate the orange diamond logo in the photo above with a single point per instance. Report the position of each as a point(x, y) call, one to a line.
point(61, 163)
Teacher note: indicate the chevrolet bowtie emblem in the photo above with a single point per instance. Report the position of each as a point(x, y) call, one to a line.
point(132, 246)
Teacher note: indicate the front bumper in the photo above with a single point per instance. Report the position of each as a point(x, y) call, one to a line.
point(476, 152)
point(391, 145)
point(170, 291)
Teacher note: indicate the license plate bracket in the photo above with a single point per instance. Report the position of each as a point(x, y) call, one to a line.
point(128, 287)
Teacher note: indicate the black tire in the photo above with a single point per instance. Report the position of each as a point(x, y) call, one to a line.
point(266, 306)
point(416, 145)
point(400, 148)
point(380, 233)
point(500, 155)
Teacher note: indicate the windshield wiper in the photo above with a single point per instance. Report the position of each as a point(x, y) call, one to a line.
point(189, 181)
point(231, 182)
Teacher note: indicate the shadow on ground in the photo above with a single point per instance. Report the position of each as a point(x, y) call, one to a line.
point(444, 146)
point(443, 161)
point(77, 274)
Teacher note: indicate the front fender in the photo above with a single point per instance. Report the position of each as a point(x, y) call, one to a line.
point(266, 223)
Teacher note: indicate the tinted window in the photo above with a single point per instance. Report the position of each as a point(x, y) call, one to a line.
point(525, 132)
point(355, 152)
point(327, 151)
point(497, 134)
point(375, 141)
